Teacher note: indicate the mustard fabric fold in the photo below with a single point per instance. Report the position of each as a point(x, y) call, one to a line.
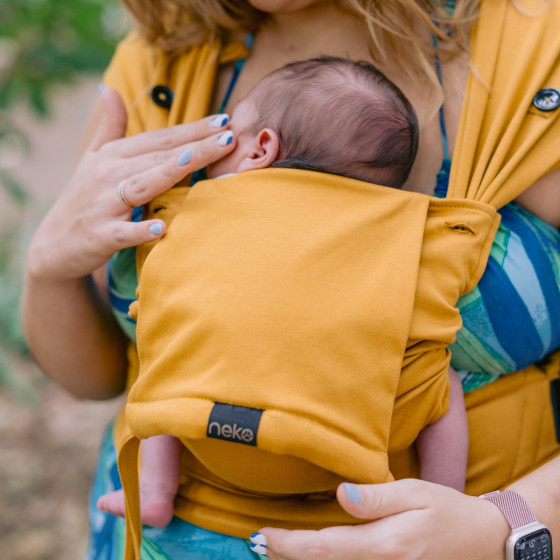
point(504, 142)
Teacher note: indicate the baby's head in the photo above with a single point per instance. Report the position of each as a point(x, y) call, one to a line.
point(327, 114)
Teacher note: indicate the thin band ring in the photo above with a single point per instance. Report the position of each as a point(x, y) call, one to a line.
point(122, 196)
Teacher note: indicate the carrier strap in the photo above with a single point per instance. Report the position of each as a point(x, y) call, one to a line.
point(128, 469)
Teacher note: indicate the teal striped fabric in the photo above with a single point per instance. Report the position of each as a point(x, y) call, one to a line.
point(512, 318)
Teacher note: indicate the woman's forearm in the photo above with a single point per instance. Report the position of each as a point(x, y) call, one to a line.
point(541, 490)
point(73, 337)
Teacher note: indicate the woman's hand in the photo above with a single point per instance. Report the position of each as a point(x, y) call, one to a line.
point(91, 221)
point(67, 325)
point(413, 520)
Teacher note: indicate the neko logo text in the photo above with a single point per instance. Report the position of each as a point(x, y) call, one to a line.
point(232, 432)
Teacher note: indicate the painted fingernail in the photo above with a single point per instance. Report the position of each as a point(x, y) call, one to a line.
point(258, 544)
point(184, 158)
point(353, 493)
point(258, 538)
point(259, 549)
point(225, 138)
point(219, 120)
point(100, 89)
point(156, 229)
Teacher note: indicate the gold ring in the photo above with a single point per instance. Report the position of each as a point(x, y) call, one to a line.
point(122, 196)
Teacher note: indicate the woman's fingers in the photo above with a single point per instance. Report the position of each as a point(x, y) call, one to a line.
point(140, 188)
point(130, 234)
point(100, 213)
point(169, 138)
point(141, 162)
point(368, 502)
point(147, 164)
point(407, 519)
point(113, 127)
point(341, 543)
point(113, 123)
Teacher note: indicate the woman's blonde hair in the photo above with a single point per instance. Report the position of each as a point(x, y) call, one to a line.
point(406, 34)
point(176, 25)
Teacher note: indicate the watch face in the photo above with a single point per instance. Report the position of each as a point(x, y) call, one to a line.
point(534, 546)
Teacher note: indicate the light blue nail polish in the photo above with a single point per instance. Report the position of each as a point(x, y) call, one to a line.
point(225, 138)
point(219, 120)
point(100, 89)
point(156, 229)
point(184, 158)
point(353, 493)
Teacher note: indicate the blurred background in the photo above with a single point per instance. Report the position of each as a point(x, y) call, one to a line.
point(52, 54)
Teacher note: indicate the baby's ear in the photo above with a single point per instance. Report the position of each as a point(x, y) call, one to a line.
point(264, 151)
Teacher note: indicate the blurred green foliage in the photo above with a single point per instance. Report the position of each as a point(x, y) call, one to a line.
point(47, 42)
point(43, 44)
point(13, 350)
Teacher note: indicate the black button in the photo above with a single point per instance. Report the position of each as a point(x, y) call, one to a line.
point(162, 96)
point(547, 99)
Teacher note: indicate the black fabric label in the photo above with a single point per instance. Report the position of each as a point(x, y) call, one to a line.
point(238, 424)
point(555, 394)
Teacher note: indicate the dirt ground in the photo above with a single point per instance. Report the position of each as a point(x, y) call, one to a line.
point(48, 445)
point(48, 452)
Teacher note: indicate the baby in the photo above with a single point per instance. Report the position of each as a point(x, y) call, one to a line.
point(334, 116)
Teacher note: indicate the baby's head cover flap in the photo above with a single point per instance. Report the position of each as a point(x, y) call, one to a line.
point(264, 297)
point(272, 320)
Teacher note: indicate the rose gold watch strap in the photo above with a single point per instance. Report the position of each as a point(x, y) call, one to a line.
point(513, 506)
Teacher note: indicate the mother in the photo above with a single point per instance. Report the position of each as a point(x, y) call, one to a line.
point(79, 344)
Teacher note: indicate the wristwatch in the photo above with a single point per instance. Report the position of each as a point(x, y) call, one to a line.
point(529, 539)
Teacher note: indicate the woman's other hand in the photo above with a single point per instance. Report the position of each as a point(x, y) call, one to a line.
point(91, 219)
point(411, 520)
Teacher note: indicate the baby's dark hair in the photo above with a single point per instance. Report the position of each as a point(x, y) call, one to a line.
point(339, 116)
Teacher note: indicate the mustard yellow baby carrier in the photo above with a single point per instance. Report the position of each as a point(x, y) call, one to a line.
point(293, 326)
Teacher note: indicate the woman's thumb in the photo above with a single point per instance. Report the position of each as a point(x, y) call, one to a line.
point(374, 501)
point(113, 123)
